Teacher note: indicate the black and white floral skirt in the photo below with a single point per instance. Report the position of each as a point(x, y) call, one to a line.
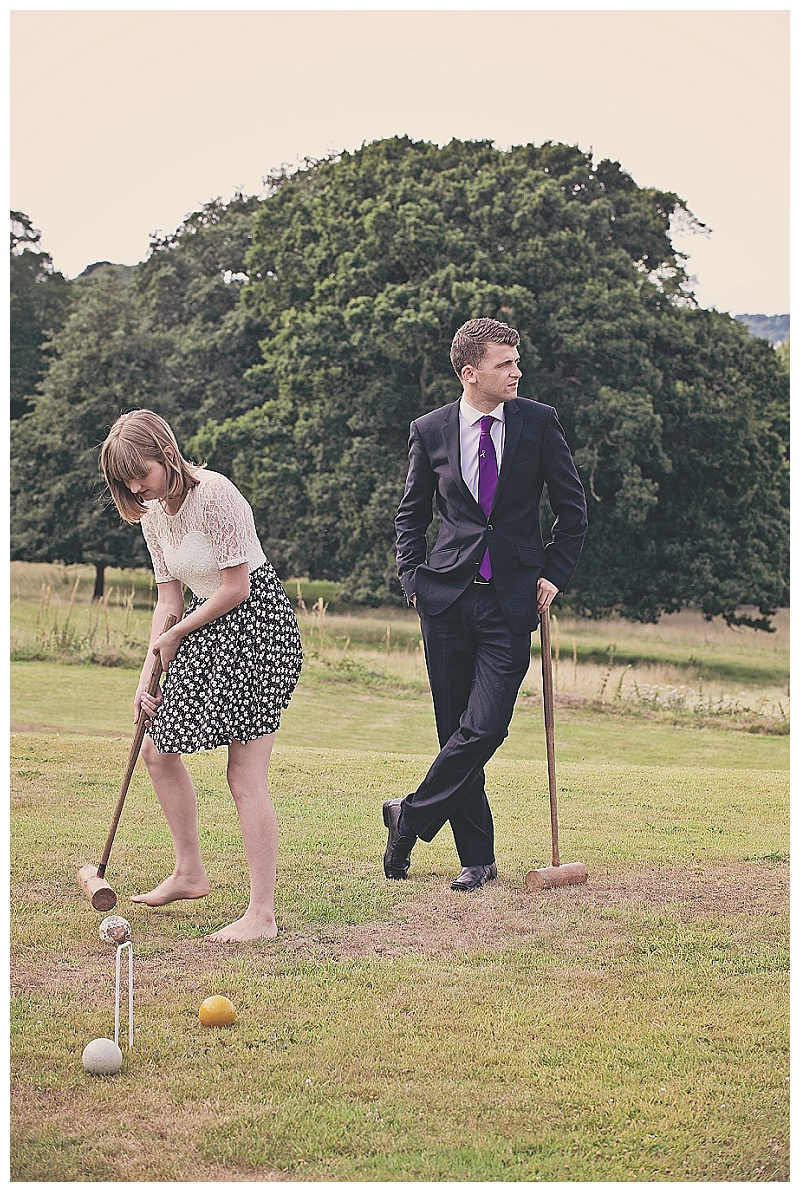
point(232, 678)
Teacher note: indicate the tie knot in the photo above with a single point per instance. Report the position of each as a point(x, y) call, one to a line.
point(486, 423)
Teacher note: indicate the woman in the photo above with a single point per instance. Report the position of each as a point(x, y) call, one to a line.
point(231, 662)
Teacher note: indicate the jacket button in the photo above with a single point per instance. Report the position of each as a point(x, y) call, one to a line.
point(490, 527)
point(477, 562)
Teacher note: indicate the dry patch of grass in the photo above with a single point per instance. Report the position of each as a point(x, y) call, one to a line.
point(445, 924)
point(438, 922)
point(146, 1137)
point(579, 1048)
point(632, 1030)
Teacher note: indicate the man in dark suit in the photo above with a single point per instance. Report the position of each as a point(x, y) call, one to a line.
point(485, 459)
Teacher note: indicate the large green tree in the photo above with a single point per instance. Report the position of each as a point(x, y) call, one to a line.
point(39, 297)
point(291, 340)
point(705, 522)
point(361, 269)
point(103, 362)
point(188, 292)
point(171, 334)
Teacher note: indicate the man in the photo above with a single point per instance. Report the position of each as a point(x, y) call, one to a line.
point(485, 458)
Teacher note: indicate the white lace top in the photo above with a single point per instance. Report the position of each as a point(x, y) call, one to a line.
point(213, 529)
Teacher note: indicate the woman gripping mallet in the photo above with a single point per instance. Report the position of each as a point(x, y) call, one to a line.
point(231, 662)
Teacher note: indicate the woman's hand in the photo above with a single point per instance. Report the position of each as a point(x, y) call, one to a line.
point(146, 704)
point(166, 644)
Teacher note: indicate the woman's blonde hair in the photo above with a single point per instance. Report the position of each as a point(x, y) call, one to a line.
point(135, 441)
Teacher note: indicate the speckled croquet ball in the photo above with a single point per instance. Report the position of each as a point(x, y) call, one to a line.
point(102, 1057)
point(217, 1011)
point(115, 930)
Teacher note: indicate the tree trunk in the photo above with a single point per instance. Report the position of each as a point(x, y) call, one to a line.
point(99, 582)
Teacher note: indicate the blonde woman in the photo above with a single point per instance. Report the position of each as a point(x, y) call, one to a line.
point(232, 661)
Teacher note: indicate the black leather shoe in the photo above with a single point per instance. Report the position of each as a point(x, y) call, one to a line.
point(397, 857)
point(472, 877)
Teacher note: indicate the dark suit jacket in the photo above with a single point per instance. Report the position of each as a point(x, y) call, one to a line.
point(535, 453)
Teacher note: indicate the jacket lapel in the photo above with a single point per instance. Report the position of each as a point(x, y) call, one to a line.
point(513, 432)
point(451, 434)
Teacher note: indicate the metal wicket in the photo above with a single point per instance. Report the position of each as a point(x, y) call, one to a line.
point(120, 949)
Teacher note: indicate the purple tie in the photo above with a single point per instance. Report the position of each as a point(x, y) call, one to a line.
point(487, 481)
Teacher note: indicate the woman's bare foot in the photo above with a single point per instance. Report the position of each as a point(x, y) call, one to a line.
point(251, 926)
point(173, 888)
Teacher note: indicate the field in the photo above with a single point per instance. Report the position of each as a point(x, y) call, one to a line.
point(635, 1028)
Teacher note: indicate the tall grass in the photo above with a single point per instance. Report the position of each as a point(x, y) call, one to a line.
point(684, 669)
point(65, 624)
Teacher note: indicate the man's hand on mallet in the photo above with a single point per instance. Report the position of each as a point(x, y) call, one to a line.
point(545, 594)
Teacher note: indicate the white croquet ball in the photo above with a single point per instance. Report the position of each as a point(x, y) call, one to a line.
point(115, 930)
point(102, 1057)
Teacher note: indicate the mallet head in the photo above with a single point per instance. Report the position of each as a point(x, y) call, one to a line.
point(573, 874)
point(96, 889)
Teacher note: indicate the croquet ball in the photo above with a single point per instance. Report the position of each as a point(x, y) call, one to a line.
point(115, 930)
point(102, 1057)
point(217, 1011)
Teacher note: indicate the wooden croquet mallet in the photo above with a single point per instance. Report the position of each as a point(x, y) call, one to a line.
point(91, 878)
point(556, 874)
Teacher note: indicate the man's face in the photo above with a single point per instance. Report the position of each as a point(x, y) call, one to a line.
point(495, 379)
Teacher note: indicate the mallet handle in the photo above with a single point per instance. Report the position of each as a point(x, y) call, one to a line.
point(549, 727)
point(133, 754)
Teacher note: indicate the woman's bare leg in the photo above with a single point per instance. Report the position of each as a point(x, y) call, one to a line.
point(248, 769)
point(178, 800)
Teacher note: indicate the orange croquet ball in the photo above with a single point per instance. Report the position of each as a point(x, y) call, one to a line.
point(217, 1011)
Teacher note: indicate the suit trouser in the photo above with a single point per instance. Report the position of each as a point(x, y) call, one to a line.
point(475, 665)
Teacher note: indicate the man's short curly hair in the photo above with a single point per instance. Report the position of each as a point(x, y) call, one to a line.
point(471, 340)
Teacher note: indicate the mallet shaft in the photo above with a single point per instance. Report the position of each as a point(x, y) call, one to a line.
point(556, 874)
point(549, 728)
point(133, 754)
point(91, 878)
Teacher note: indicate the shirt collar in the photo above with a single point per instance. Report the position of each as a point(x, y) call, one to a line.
point(471, 415)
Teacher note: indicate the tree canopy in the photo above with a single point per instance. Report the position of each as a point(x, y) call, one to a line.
point(103, 363)
point(189, 292)
point(170, 334)
point(38, 304)
point(292, 339)
point(362, 268)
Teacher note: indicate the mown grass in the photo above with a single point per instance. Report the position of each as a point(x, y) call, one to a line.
point(635, 1028)
point(332, 707)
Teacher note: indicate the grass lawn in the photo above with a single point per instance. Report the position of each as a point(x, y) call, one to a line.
point(332, 712)
point(634, 1028)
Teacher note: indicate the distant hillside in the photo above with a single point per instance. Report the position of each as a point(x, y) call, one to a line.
point(775, 328)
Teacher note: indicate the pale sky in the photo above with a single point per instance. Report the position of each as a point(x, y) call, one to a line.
point(123, 122)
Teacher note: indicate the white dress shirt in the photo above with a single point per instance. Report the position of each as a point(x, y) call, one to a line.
point(469, 420)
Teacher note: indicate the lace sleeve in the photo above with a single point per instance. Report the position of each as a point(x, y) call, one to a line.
point(228, 521)
point(160, 569)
